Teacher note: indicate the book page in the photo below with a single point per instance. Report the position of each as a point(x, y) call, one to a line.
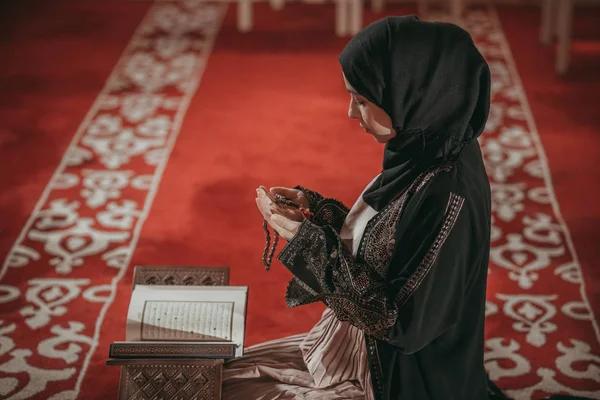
point(186, 320)
point(188, 313)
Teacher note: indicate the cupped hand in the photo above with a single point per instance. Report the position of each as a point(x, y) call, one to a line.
point(295, 195)
point(286, 227)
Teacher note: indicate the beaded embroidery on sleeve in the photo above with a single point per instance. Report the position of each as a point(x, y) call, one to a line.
point(357, 290)
point(326, 211)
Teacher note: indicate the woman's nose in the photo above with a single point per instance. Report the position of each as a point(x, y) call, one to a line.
point(352, 111)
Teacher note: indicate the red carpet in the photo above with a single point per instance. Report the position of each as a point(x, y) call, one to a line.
point(270, 109)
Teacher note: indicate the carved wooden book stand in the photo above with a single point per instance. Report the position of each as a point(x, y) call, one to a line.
point(148, 378)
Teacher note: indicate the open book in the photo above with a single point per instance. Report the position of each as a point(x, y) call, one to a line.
point(184, 321)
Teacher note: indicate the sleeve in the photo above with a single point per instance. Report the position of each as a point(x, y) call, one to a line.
point(423, 293)
point(327, 212)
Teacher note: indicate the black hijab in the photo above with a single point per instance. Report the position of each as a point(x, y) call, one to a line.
point(434, 84)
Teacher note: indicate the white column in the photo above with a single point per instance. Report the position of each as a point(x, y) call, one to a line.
point(548, 28)
point(341, 17)
point(565, 19)
point(377, 5)
point(277, 4)
point(244, 15)
point(356, 16)
point(456, 8)
point(423, 8)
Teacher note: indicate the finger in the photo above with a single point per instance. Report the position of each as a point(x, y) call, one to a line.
point(265, 196)
point(282, 209)
point(296, 195)
point(287, 229)
point(285, 192)
point(289, 213)
point(263, 212)
point(264, 205)
point(285, 210)
point(284, 223)
point(264, 209)
point(283, 232)
point(262, 191)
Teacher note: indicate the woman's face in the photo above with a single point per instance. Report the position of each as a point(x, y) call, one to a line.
point(372, 119)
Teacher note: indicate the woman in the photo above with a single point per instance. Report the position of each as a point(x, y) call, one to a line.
point(403, 273)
